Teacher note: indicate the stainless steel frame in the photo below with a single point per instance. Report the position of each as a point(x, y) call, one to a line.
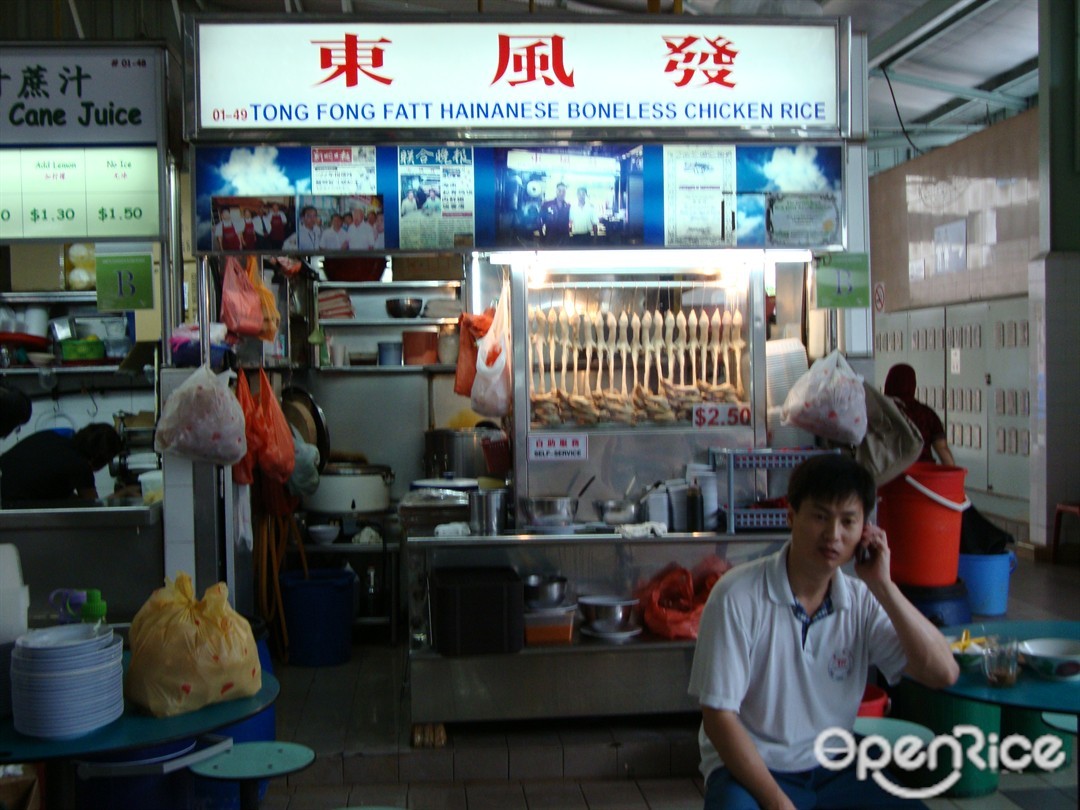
point(616, 452)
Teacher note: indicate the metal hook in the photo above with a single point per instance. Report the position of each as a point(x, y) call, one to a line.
point(93, 402)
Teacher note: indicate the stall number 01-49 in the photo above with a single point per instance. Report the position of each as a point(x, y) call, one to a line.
point(714, 415)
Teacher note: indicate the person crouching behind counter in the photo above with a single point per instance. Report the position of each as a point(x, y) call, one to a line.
point(785, 644)
point(47, 466)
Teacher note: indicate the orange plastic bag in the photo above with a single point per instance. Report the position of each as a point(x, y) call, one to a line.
point(673, 600)
point(241, 310)
point(243, 471)
point(271, 317)
point(186, 654)
point(472, 328)
point(277, 455)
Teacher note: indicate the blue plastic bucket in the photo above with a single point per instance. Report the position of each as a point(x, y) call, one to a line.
point(987, 580)
point(218, 794)
point(318, 616)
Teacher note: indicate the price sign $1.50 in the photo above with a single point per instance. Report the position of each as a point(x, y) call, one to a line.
point(721, 414)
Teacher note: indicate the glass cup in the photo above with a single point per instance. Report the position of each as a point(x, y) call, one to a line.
point(1000, 660)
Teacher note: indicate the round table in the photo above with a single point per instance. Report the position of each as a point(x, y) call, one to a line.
point(132, 729)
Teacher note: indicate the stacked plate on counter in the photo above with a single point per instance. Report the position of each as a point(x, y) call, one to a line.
point(67, 681)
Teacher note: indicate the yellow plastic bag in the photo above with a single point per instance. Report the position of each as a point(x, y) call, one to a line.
point(186, 654)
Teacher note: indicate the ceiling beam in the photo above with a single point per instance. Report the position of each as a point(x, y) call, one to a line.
point(992, 97)
point(926, 23)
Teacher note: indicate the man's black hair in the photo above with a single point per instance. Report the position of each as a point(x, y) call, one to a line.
point(830, 478)
point(99, 443)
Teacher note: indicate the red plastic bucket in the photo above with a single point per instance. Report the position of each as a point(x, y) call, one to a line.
point(875, 702)
point(921, 513)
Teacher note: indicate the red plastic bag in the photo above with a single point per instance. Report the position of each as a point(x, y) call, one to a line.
point(243, 471)
point(277, 456)
point(241, 309)
point(472, 328)
point(673, 600)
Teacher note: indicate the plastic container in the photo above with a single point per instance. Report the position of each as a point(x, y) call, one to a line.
point(554, 626)
point(318, 616)
point(921, 512)
point(944, 607)
point(390, 354)
point(987, 580)
point(875, 702)
point(420, 348)
point(152, 484)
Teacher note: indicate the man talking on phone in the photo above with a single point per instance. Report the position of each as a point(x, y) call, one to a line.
point(786, 643)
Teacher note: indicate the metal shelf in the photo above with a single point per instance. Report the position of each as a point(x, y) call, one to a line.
point(432, 369)
point(50, 297)
point(328, 323)
point(377, 286)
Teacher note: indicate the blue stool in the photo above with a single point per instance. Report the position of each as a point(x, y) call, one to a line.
point(249, 762)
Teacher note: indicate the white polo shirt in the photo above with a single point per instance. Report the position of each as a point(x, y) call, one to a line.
point(750, 659)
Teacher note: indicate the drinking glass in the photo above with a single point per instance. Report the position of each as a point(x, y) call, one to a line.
point(1000, 663)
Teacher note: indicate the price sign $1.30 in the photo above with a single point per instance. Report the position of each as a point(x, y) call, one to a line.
point(721, 414)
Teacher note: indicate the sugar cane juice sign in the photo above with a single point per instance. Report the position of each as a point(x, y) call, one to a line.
point(81, 134)
point(371, 74)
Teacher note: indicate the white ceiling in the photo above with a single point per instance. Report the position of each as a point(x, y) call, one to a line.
point(954, 66)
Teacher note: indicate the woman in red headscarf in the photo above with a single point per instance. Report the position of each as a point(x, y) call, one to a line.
point(900, 385)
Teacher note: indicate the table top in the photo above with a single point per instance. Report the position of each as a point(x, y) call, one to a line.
point(134, 729)
point(1031, 691)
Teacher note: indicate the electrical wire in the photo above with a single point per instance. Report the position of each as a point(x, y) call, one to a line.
point(899, 118)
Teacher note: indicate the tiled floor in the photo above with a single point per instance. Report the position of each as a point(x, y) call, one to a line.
point(355, 716)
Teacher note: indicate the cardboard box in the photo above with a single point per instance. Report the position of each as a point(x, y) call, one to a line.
point(37, 268)
point(435, 267)
point(20, 791)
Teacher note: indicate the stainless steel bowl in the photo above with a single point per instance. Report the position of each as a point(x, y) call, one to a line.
point(617, 512)
point(544, 590)
point(550, 510)
point(608, 614)
point(404, 307)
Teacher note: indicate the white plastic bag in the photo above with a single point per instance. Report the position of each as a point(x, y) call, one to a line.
point(202, 420)
point(492, 389)
point(829, 401)
point(305, 475)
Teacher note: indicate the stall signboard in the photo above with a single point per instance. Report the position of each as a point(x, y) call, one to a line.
point(125, 281)
point(81, 134)
point(684, 73)
point(332, 199)
point(843, 280)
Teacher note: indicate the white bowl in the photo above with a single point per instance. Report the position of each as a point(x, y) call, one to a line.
point(41, 359)
point(323, 535)
point(1055, 658)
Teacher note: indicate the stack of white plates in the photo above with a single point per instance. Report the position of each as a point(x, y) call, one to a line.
point(67, 681)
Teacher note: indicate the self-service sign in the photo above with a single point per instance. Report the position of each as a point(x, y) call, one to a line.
point(558, 447)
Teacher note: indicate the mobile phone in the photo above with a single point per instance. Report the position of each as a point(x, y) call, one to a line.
point(862, 553)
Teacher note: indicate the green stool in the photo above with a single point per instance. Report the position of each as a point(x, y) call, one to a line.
point(892, 730)
point(940, 712)
point(1032, 724)
point(249, 762)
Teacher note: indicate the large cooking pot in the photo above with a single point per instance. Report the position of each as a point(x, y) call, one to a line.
point(351, 488)
point(458, 451)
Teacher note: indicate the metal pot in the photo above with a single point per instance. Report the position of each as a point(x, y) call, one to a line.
point(487, 511)
point(345, 488)
point(458, 451)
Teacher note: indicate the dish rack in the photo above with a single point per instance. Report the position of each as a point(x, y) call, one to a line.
point(735, 460)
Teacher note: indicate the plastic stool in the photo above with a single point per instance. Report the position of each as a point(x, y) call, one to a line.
point(1060, 511)
point(249, 762)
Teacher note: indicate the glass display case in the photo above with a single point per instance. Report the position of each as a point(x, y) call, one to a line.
point(631, 365)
